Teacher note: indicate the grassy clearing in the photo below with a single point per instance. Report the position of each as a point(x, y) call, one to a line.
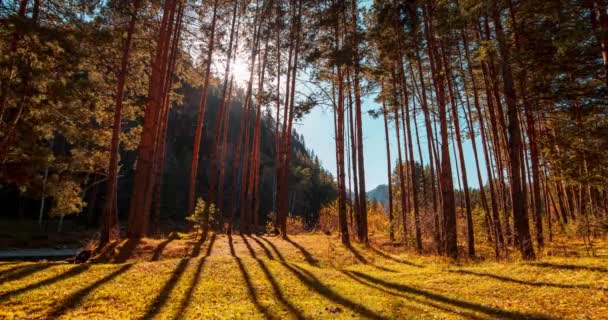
point(308, 277)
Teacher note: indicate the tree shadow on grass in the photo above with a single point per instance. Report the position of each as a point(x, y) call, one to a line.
point(8, 263)
point(163, 295)
point(307, 256)
point(567, 266)
point(276, 288)
point(389, 257)
point(364, 260)
point(196, 250)
point(125, 251)
point(253, 294)
point(272, 246)
point(9, 270)
point(524, 282)
point(313, 283)
point(490, 311)
point(199, 268)
point(76, 298)
point(420, 301)
point(19, 272)
point(105, 253)
point(265, 249)
point(65, 275)
point(158, 251)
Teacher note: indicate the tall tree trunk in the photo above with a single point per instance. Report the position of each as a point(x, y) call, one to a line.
point(400, 164)
point(160, 162)
point(201, 116)
point(280, 204)
point(237, 183)
point(245, 213)
point(222, 158)
point(255, 165)
point(411, 163)
point(430, 142)
point(463, 168)
point(144, 174)
point(391, 229)
point(288, 133)
point(353, 153)
point(447, 184)
point(469, 120)
point(532, 135)
point(221, 128)
point(362, 224)
point(520, 214)
point(340, 152)
point(277, 117)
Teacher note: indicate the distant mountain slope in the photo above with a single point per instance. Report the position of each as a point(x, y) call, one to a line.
point(380, 193)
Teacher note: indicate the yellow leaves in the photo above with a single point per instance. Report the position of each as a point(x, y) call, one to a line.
point(95, 76)
point(67, 196)
point(86, 160)
point(129, 140)
point(486, 49)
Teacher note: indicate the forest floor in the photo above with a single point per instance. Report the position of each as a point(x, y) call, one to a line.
point(306, 277)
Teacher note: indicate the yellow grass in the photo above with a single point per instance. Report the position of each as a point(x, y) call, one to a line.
point(308, 277)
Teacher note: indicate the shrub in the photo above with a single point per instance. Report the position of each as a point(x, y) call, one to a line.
point(201, 212)
point(295, 225)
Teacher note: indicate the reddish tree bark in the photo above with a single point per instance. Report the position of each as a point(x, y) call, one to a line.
point(110, 222)
point(201, 116)
point(520, 214)
point(144, 174)
point(400, 164)
point(446, 182)
point(391, 230)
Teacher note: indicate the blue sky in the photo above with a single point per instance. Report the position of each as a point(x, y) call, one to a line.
point(318, 130)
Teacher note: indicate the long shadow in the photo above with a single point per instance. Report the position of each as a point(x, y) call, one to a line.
point(307, 256)
point(567, 266)
point(528, 283)
point(103, 254)
point(19, 272)
point(313, 283)
point(8, 263)
point(70, 273)
point(401, 295)
point(199, 268)
point(126, 250)
point(196, 250)
point(357, 254)
point(9, 270)
point(77, 297)
point(273, 247)
point(253, 294)
point(163, 295)
point(276, 288)
point(494, 312)
point(265, 249)
point(159, 249)
point(389, 257)
point(364, 260)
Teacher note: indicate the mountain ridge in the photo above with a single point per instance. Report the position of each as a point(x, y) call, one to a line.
point(380, 194)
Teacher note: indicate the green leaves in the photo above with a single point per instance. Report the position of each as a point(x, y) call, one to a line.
point(203, 212)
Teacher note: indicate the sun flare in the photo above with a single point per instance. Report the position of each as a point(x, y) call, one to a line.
point(240, 71)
